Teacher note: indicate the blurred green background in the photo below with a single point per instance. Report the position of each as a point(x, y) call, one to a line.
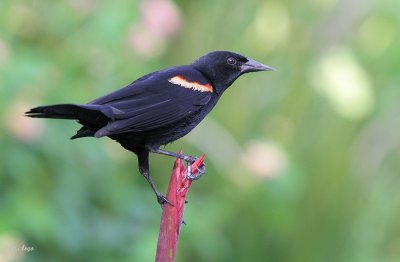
point(303, 163)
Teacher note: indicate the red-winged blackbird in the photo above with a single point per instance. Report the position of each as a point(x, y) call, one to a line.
point(157, 108)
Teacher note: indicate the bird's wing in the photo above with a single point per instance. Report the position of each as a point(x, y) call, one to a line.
point(159, 99)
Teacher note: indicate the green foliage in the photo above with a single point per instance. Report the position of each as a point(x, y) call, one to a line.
point(303, 163)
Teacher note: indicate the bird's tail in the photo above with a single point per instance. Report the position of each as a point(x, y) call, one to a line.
point(92, 117)
point(61, 111)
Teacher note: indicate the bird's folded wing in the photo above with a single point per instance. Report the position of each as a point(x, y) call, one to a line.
point(150, 104)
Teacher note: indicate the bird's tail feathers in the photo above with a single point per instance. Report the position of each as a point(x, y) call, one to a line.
point(61, 111)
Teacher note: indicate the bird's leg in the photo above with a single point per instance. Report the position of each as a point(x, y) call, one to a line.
point(189, 160)
point(173, 154)
point(161, 199)
point(145, 171)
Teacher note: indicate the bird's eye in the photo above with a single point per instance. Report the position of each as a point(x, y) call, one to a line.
point(231, 61)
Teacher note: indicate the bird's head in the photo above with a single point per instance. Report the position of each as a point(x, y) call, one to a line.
point(224, 67)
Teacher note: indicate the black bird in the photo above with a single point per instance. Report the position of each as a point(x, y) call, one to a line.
point(157, 108)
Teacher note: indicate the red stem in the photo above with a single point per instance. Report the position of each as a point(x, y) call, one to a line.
point(172, 216)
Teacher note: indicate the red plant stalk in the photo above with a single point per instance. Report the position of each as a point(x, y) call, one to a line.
point(172, 215)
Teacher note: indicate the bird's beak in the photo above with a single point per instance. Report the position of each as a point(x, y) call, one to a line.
point(254, 66)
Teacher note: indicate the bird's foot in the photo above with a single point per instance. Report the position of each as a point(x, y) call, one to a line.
point(201, 170)
point(161, 199)
point(189, 159)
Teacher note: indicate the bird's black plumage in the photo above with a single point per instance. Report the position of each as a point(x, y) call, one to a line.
point(157, 108)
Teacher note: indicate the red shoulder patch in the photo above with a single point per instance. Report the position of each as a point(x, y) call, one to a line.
point(182, 81)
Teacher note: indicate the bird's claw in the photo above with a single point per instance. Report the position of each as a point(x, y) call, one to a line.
point(162, 200)
point(201, 170)
point(189, 159)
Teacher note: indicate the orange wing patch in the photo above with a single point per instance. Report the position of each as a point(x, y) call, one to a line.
point(180, 80)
